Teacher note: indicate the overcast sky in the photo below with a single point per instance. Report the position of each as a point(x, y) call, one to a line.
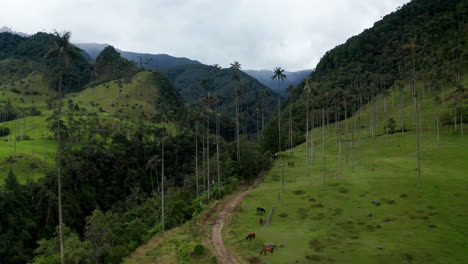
point(260, 34)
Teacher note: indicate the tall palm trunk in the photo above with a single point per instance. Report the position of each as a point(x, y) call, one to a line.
point(313, 135)
point(346, 131)
point(385, 117)
point(16, 133)
point(237, 129)
point(339, 152)
point(279, 121)
point(162, 180)
point(461, 126)
point(263, 114)
point(208, 153)
point(196, 157)
point(59, 172)
point(415, 110)
point(290, 131)
point(323, 148)
point(307, 135)
point(402, 106)
point(352, 143)
point(217, 151)
point(204, 156)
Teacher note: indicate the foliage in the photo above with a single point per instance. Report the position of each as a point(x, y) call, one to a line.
point(391, 126)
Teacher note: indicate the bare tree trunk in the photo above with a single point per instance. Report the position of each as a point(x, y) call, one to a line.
point(217, 150)
point(437, 127)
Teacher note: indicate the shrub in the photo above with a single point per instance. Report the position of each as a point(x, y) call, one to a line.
point(4, 131)
point(14, 90)
point(199, 250)
point(391, 125)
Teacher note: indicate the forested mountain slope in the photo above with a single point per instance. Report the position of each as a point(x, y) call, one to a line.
point(431, 35)
point(187, 80)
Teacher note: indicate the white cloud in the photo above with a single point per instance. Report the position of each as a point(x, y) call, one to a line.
point(293, 34)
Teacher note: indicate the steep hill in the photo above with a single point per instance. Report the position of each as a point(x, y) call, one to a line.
point(145, 60)
point(381, 57)
point(264, 77)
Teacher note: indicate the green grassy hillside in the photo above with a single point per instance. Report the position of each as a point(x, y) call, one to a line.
point(331, 224)
point(141, 97)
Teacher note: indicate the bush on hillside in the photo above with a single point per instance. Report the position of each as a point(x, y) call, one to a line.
point(4, 131)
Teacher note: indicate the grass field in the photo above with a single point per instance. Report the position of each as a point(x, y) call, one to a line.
point(331, 224)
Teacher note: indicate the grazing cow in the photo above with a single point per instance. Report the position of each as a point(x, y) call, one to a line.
point(261, 221)
point(377, 203)
point(260, 209)
point(250, 236)
point(291, 164)
point(265, 250)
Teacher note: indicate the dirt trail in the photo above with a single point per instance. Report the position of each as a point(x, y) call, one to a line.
point(222, 253)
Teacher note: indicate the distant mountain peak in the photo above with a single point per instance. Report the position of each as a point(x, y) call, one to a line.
point(292, 78)
point(145, 60)
point(10, 30)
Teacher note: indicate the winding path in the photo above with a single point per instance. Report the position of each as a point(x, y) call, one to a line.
point(222, 253)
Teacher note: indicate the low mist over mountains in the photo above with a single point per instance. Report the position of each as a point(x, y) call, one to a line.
point(145, 60)
point(264, 77)
point(9, 30)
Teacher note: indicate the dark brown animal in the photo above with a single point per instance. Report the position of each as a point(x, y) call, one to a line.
point(265, 250)
point(261, 221)
point(250, 236)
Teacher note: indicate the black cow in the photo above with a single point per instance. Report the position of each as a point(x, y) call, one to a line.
point(260, 209)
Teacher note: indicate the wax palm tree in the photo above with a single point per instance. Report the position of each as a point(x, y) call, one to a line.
point(278, 74)
point(152, 165)
point(162, 173)
point(412, 47)
point(65, 51)
point(385, 93)
point(258, 111)
point(264, 93)
point(308, 92)
point(459, 89)
point(198, 117)
point(208, 100)
point(236, 66)
point(217, 69)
